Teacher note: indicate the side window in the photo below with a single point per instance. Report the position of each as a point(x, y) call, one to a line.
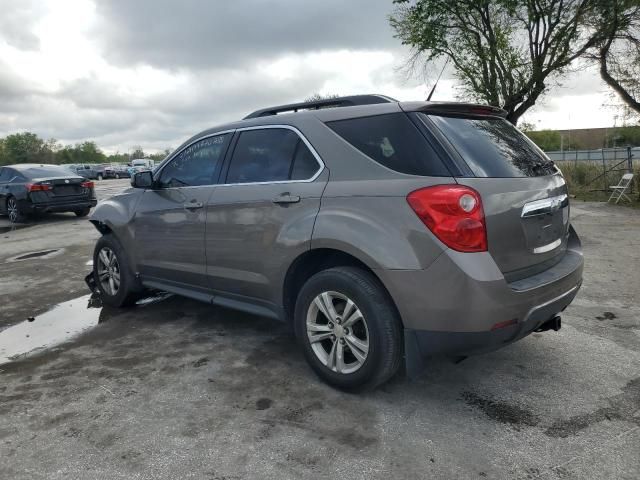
point(196, 164)
point(6, 174)
point(392, 140)
point(305, 164)
point(270, 155)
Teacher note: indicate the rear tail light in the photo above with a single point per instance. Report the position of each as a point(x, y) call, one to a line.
point(86, 184)
point(454, 214)
point(38, 187)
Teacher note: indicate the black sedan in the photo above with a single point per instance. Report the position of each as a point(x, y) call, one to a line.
point(33, 188)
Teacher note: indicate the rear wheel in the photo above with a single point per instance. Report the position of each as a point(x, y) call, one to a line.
point(349, 329)
point(114, 278)
point(82, 213)
point(13, 211)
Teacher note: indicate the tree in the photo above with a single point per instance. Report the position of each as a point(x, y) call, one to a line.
point(137, 152)
point(504, 52)
point(159, 156)
point(3, 158)
point(24, 147)
point(318, 96)
point(618, 52)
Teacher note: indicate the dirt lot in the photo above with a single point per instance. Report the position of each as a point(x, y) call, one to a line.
point(178, 389)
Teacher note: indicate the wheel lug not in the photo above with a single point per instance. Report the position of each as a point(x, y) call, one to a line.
point(342, 341)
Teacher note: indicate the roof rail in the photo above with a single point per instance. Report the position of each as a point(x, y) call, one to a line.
point(317, 104)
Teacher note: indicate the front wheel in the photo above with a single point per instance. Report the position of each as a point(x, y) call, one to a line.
point(349, 328)
point(113, 276)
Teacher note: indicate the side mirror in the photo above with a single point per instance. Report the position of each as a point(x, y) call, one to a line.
point(142, 180)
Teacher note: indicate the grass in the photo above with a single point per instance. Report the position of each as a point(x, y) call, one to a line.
point(583, 183)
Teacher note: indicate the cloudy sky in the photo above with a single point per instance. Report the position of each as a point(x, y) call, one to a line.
point(153, 72)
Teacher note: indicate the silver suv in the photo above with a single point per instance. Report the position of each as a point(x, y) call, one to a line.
point(383, 232)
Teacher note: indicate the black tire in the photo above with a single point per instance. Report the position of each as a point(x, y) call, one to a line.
point(384, 330)
point(82, 213)
point(13, 211)
point(129, 289)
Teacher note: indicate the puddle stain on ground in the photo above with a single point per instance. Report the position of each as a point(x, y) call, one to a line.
point(501, 411)
point(62, 323)
point(40, 255)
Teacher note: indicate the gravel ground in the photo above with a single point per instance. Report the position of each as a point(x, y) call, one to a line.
point(179, 389)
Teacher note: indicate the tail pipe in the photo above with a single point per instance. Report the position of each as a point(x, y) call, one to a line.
point(554, 324)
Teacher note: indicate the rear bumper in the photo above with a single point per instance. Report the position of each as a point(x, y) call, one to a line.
point(59, 206)
point(457, 305)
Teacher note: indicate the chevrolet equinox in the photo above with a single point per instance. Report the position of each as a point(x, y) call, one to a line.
point(383, 232)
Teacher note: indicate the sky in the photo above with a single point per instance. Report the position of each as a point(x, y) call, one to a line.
point(154, 72)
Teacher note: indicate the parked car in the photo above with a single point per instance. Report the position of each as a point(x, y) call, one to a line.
point(27, 189)
point(85, 171)
point(382, 231)
point(121, 171)
point(104, 171)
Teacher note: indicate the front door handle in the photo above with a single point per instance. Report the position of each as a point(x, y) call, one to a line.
point(286, 198)
point(193, 205)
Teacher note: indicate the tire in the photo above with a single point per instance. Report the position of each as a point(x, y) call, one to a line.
point(128, 289)
point(82, 213)
point(13, 211)
point(379, 329)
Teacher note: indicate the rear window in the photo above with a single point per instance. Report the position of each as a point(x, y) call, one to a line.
point(394, 141)
point(45, 171)
point(493, 147)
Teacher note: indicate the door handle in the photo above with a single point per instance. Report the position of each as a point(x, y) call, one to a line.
point(193, 205)
point(286, 198)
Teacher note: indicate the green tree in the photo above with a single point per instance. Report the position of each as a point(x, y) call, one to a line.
point(159, 156)
point(24, 147)
point(86, 152)
point(504, 52)
point(3, 158)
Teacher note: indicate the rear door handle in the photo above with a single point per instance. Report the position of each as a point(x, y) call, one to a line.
point(193, 205)
point(286, 198)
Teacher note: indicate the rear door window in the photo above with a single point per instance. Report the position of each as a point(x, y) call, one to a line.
point(493, 147)
point(394, 141)
point(271, 155)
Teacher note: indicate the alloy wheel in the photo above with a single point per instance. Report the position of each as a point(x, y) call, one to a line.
point(12, 209)
point(108, 270)
point(337, 332)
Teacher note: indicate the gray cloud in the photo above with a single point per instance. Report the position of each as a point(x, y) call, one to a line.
point(16, 23)
point(201, 34)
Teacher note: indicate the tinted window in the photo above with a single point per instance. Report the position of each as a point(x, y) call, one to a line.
point(5, 175)
point(394, 141)
point(44, 171)
point(305, 164)
point(267, 155)
point(196, 164)
point(493, 147)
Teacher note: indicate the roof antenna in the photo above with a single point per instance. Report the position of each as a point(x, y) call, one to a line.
point(436, 84)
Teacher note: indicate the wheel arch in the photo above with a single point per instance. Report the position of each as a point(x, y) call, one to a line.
point(316, 260)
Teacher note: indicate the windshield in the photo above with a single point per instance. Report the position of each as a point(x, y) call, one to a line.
point(493, 147)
